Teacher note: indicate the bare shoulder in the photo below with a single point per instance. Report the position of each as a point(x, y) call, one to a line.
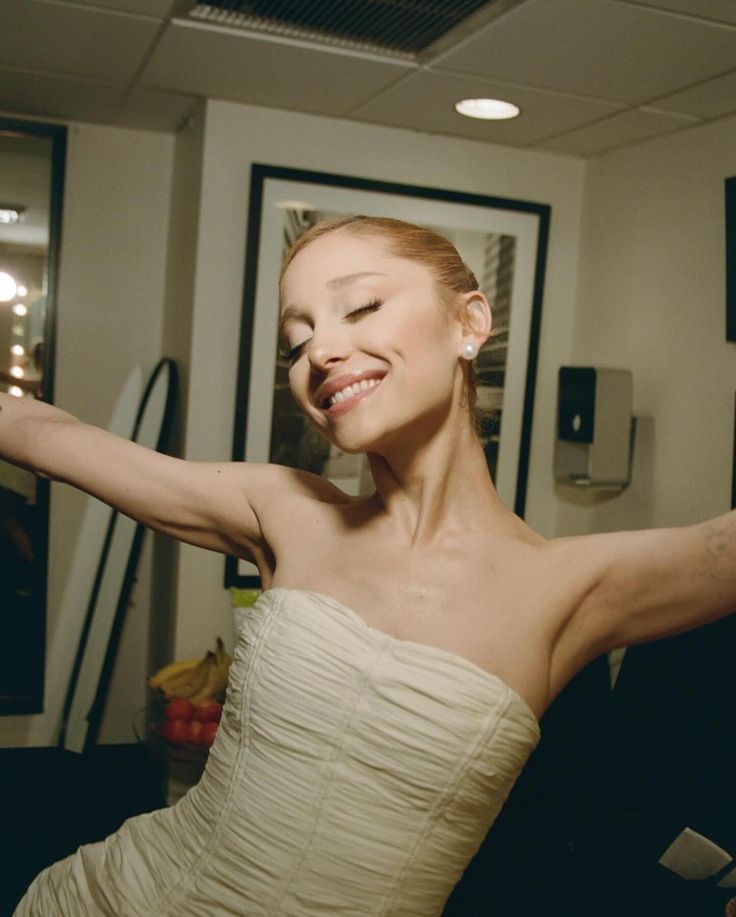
point(293, 509)
point(278, 483)
point(285, 498)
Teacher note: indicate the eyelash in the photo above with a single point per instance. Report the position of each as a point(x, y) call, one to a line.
point(368, 307)
point(292, 354)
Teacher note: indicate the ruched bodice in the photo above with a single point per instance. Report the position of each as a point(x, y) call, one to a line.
point(353, 774)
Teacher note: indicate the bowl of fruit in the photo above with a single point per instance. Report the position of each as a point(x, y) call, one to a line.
point(188, 695)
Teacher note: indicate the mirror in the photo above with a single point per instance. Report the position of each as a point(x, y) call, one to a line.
point(31, 178)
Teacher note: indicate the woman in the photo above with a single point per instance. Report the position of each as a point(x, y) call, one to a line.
point(386, 690)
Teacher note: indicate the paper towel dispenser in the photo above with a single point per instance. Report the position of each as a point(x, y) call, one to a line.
point(595, 427)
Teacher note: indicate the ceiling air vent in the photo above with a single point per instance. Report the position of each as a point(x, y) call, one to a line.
point(399, 27)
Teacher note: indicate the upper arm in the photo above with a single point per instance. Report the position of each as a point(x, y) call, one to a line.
point(216, 505)
point(656, 583)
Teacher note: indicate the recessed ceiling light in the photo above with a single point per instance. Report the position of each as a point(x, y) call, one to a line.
point(488, 109)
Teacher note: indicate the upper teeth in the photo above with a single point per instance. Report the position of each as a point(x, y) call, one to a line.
point(353, 389)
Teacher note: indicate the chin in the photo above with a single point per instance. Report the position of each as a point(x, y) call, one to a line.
point(374, 432)
point(352, 439)
point(379, 444)
point(352, 445)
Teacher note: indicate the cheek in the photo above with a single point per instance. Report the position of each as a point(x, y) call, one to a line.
point(419, 325)
point(428, 343)
point(298, 384)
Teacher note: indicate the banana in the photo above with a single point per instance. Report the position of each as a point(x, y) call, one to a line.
point(223, 661)
point(216, 681)
point(190, 681)
point(222, 657)
point(197, 679)
point(168, 671)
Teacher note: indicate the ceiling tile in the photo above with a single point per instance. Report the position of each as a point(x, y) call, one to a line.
point(226, 64)
point(717, 10)
point(575, 68)
point(159, 9)
point(425, 101)
point(712, 99)
point(154, 110)
point(73, 40)
point(52, 96)
point(628, 127)
point(599, 48)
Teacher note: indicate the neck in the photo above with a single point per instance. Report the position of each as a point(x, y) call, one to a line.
point(438, 489)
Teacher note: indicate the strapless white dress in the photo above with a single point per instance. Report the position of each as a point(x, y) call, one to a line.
point(353, 773)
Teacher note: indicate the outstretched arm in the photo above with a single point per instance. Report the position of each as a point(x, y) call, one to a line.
point(215, 505)
point(653, 584)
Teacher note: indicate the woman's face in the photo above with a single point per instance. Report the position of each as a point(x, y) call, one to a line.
point(373, 353)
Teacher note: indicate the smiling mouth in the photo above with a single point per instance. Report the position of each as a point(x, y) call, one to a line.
point(349, 395)
point(350, 390)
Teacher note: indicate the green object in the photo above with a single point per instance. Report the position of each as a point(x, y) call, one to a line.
point(243, 598)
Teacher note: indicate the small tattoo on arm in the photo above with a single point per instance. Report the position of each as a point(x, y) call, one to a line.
point(720, 549)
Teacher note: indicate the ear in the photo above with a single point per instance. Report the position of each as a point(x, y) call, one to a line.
point(476, 317)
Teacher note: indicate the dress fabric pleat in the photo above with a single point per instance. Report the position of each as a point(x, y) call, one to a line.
point(353, 773)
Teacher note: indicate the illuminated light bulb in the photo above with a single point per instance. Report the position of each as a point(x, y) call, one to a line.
point(487, 109)
point(8, 287)
point(16, 391)
point(18, 350)
point(18, 330)
point(17, 371)
point(20, 309)
point(10, 215)
point(22, 291)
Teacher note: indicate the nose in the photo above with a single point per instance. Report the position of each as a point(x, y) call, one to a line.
point(327, 346)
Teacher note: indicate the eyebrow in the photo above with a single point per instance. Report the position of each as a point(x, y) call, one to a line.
point(338, 282)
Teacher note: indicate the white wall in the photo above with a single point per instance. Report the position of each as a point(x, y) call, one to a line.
point(110, 310)
point(651, 298)
point(177, 344)
point(236, 136)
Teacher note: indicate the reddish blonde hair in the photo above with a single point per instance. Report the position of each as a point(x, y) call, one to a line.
point(405, 240)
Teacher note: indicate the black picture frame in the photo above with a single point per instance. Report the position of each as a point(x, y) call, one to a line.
point(730, 189)
point(277, 189)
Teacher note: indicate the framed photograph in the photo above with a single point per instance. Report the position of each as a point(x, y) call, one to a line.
point(503, 241)
point(731, 259)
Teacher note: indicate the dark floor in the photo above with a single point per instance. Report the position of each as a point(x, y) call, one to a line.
point(54, 800)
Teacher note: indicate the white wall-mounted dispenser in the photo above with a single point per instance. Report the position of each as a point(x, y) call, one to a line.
point(595, 427)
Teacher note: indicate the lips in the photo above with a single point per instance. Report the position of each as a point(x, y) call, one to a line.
point(352, 390)
point(338, 384)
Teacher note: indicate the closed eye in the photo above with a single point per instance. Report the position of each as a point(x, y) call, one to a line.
point(364, 310)
point(291, 354)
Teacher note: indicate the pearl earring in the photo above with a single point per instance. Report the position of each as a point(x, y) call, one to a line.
point(469, 350)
